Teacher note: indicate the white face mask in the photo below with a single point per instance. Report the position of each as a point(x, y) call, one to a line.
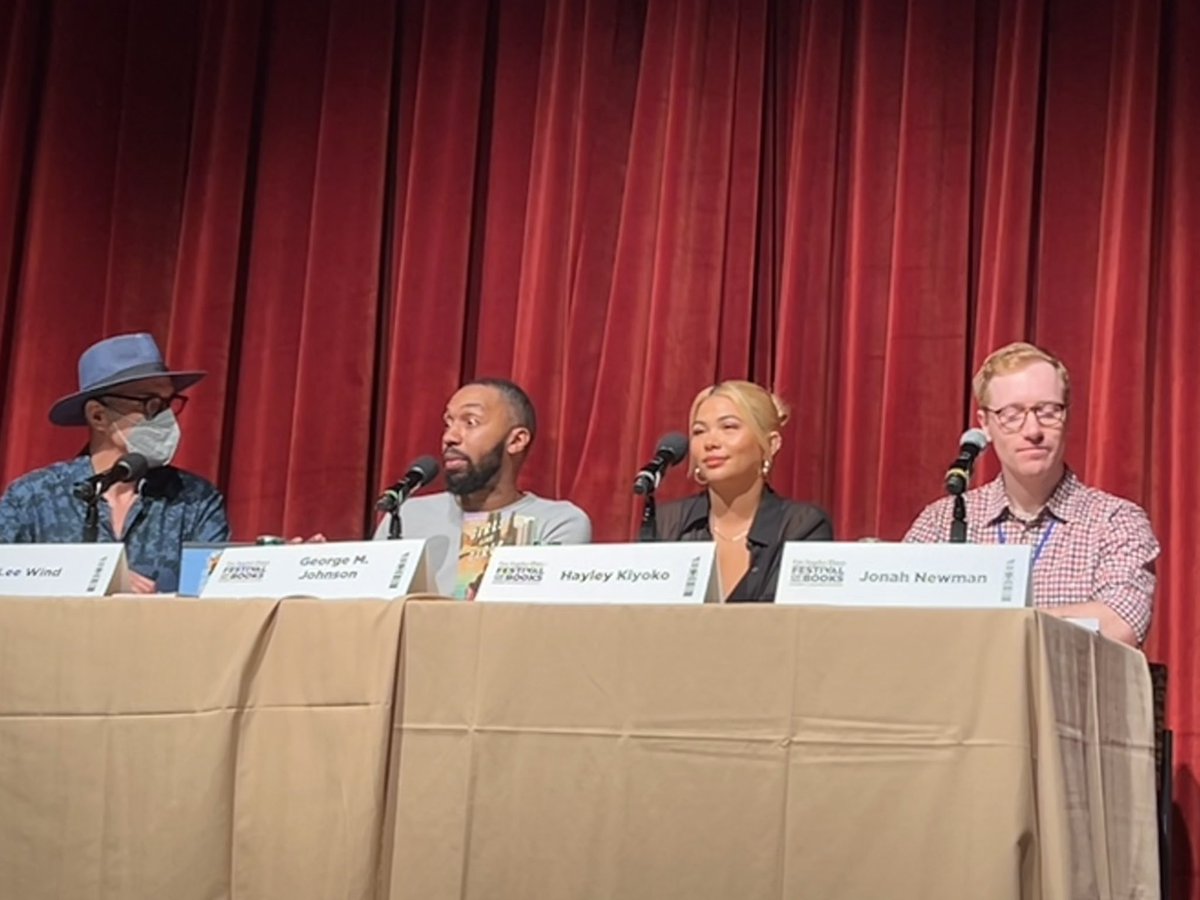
point(156, 439)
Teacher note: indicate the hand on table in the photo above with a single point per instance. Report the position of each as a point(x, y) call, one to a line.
point(140, 584)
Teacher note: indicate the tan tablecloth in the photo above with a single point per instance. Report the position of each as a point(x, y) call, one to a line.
point(769, 752)
point(172, 749)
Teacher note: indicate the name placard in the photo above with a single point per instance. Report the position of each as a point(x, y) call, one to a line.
point(601, 573)
point(62, 570)
point(196, 562)
point(880, 574)
point(349, 570)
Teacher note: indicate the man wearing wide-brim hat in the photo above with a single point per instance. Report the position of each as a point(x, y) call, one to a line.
point(129, 400)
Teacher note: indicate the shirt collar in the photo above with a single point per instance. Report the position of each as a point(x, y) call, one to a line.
point(1063, 503)
point(765, 528)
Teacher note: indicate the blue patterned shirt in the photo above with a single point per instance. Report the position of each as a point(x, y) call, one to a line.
point(172, 507)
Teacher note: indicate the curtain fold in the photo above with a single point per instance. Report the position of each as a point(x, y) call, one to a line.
point(22, 25)
point(343, 209)
point(1007, 172)
point(1172, 488)
point(804, 241)
point(433, 218)
point(207, 298)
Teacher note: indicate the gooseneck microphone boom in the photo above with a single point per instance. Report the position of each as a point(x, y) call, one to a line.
point(130, 467)
point(422, 471)
point(971, 444)
point(672, 448)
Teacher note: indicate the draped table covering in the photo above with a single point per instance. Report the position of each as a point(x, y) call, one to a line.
point(301, 749)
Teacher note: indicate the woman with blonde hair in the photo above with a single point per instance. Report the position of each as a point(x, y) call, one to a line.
point(735, 435)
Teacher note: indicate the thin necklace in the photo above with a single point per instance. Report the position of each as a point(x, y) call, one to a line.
point(725, 537)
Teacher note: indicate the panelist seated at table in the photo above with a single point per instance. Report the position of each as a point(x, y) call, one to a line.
point(489, 426)
point(1093, 553)
point(735, 435)
point(128, 400)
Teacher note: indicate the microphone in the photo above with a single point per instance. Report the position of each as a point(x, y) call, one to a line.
point(130, 467)
point(672, 448)
point(422, 471)
point(971, 444)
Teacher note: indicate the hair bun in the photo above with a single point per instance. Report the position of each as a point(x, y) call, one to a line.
point(782, 410)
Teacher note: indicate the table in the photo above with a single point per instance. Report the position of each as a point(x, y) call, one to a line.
point(769, 752)
point(304, 749)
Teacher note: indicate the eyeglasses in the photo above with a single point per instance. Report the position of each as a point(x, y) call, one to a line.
point(152, 404)
point(1012, 418)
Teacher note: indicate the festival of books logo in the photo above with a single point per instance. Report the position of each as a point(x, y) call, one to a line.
point(818, 573)
point(244, 572)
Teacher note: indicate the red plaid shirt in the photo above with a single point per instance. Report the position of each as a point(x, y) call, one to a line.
point(1097, 547)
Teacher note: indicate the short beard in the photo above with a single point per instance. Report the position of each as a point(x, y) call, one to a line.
point(477, 475)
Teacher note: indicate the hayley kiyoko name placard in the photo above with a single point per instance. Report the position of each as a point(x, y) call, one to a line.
point(601, 573)
point(929, 575)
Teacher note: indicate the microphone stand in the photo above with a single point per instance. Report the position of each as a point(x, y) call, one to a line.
point(973, 443)
point(89, 493)
point(649, 530)
point(958, 527)
point(389, 504)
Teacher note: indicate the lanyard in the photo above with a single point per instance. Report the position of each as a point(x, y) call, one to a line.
point(1041, 544)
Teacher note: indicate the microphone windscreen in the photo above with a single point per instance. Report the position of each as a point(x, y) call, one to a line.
point(975, 437)
point(134, 467)
point(674, 446)
point(428, 468)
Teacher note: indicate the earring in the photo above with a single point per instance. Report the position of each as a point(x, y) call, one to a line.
point(766, 467)
point(696, 476)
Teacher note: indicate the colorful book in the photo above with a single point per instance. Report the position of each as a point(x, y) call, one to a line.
point(481, 532)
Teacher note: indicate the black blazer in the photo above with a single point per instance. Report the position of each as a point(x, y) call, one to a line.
point(776, 521)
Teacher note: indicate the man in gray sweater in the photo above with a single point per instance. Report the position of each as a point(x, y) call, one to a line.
point(490, 424)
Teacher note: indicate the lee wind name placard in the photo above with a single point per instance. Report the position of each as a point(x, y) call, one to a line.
point(350, 570)
point(62, 570)
point(601, 573)
point(918, 575)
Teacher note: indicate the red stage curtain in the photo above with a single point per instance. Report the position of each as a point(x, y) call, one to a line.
point(343, 209)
